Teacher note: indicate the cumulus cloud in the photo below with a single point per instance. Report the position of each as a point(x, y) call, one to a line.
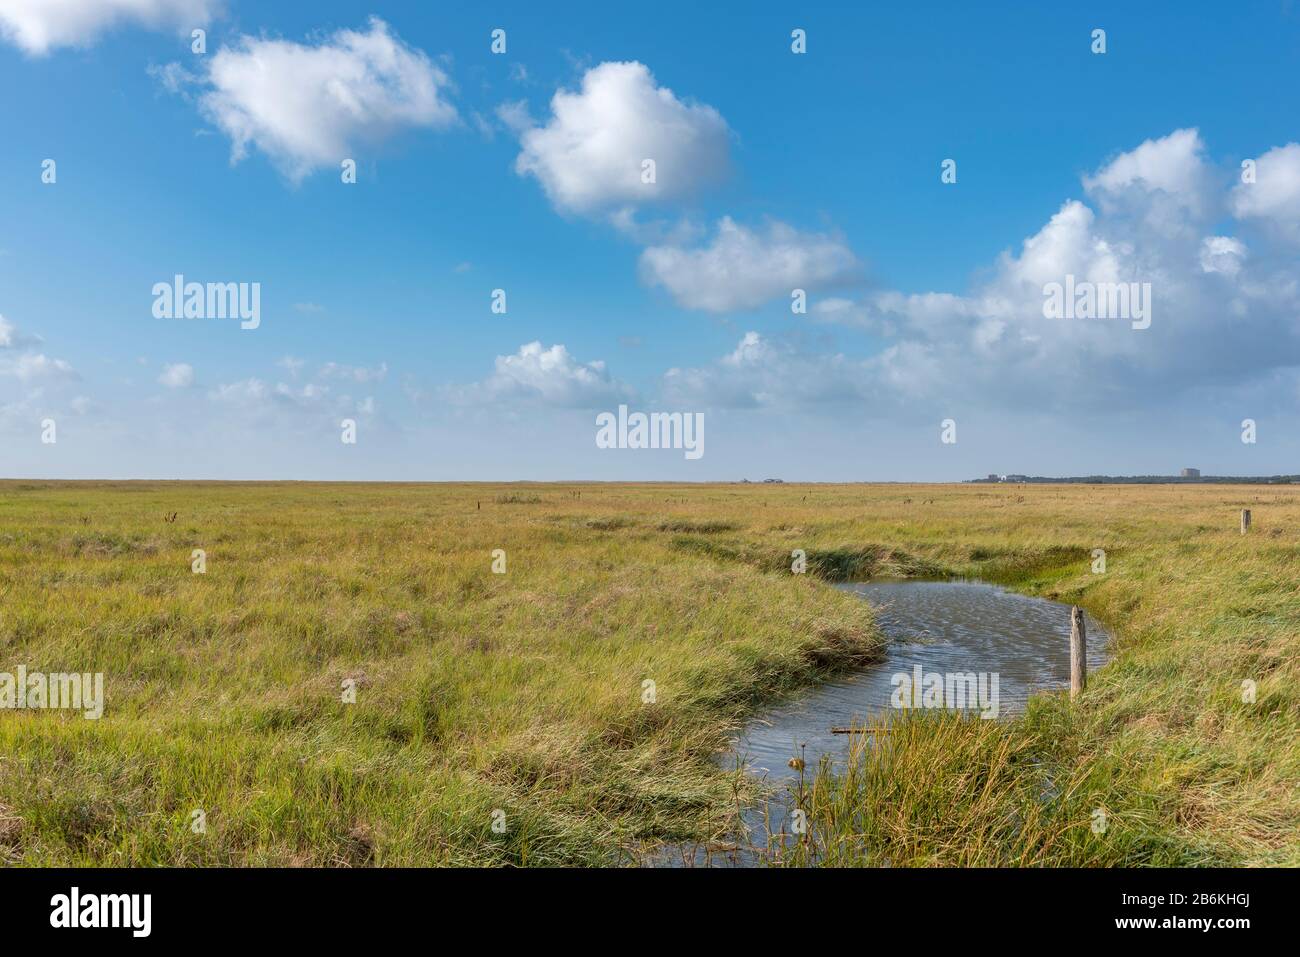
point(1172, 165)
point(591, 157)
point(742, 268)
point(178, 375)
point(1274, 197)
point(309, 106)
point(1219, 316)
point(589, 154)
point(551, 377)
point(38, 26)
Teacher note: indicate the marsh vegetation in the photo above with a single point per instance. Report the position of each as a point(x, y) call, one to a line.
point(525, 692)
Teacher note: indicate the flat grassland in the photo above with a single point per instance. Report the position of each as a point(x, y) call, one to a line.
point(520, 699)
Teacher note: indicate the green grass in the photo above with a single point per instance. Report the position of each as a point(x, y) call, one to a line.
point(523, 692)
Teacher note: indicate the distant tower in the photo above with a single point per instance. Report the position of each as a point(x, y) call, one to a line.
point(1191, 473)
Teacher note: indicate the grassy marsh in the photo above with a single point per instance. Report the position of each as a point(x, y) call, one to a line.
point(522, 692)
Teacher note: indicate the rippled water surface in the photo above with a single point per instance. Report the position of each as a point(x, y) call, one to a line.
point(944, 627)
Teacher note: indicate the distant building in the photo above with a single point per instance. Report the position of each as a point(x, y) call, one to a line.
point(1191, 473)
point(993, 476)
point(1014, 478)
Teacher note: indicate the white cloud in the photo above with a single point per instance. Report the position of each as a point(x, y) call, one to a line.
point(589, 154)
point(37, 366)
point(514, 114)
point(13, 338)
point(316, 396)
point(1275, 195)
point(312, 106)
point(761, 373)
point(1172, 165)
point(173, 77)
point(298, 407)
point(38, 26)
point(253, 394)
point(359, 374)
point(32, 384)
point(1222, 254)
point(993, 348)
point(285, 409)
point(1068, 243)
point(1218, 317)
point(250, 391)
point(742, 268)
point(178, 375)
point(550, 376)
point(309, 393)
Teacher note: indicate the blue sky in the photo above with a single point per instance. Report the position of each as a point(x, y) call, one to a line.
point(521, 171)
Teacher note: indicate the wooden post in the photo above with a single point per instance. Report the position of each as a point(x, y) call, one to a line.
point(1078, 652)
point(1245, 520)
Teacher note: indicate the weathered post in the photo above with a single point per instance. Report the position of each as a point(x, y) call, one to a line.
point(1245, 520)
point(1078, 652)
